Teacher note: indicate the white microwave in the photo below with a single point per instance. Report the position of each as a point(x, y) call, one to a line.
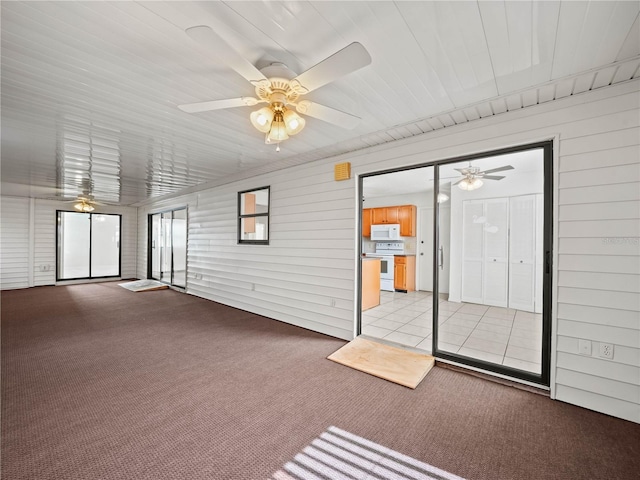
point(385, 232)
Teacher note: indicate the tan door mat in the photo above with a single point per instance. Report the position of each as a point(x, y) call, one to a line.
point(390, 363)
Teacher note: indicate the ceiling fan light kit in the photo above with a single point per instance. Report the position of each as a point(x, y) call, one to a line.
point(472, 176)
point(280, 88)
point(84, 206)
point(469, 184)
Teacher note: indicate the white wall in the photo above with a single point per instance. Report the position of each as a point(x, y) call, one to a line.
point(28, 241)
point(306, 276)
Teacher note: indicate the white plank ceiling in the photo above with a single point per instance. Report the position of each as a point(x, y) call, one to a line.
point(90, 89)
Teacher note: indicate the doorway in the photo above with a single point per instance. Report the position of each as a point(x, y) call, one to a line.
point(87, 245)
point(483, 273)
point(167, 260)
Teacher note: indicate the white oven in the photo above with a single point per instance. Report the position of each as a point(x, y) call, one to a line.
point(385, 252)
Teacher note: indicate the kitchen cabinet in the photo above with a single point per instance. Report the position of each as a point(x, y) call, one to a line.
point(407, 220)
point(370, 282)
point(404, 215)
point(404, 273)
point(367, 220)
point(384, 215)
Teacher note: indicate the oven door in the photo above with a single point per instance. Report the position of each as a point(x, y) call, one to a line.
point(386, 273)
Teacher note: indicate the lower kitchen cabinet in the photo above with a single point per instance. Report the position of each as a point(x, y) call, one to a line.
point(404, 273)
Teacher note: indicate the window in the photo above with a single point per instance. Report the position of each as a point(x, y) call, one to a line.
point(253, 216)
point(88, 245)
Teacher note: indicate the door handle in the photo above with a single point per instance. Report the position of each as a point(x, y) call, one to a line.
point(441, 259)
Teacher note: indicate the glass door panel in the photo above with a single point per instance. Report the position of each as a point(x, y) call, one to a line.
point(397, 291)
point(74, 234)
point(156, 242)
point(180, 247)
point(490, 306)
point(168, 247)
point(88, 245)
point(105, 245)
point(165, 248)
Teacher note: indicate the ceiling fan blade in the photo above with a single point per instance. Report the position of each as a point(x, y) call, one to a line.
point(492, 177)
point(351, 58)
point(499, 169)
point(218, 104)
point(206, 37)
point(327, 114)
point(459, 181)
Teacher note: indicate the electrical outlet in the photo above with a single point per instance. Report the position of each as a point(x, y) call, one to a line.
point(606, 350)
point(584, 347)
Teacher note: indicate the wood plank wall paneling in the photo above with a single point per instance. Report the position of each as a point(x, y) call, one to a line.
point(14, 243)
point(45, 241)
point(306, 275)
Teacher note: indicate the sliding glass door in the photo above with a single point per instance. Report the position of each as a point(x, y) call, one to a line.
point(88, 245)
point(168, 247)
point(482, 261)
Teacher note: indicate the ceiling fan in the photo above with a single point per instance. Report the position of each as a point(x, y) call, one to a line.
point(281, 89)
point(472, 176)
point(84, 202)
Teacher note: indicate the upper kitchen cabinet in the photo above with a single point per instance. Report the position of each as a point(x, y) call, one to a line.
point(405, 215)
point(367, 219)
point(407, 220)
point(384, 215)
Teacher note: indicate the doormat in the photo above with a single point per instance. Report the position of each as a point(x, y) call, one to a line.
point(144, 285)
point(390, 363)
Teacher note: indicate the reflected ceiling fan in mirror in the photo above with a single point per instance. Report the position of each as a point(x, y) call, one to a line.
point(473, 177)
point(281, 89)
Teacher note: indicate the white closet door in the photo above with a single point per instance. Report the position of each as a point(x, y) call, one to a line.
point(522, 291)
point(472, 251)
point(496, 251)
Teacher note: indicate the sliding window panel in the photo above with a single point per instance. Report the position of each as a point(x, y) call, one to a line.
point(74, 234)
point(105, 245)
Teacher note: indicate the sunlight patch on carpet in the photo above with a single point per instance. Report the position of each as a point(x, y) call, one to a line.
point(338, 454)
point(390, 363)
point(143, 285)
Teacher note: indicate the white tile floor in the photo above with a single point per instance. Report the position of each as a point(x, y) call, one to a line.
point(498, 335)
